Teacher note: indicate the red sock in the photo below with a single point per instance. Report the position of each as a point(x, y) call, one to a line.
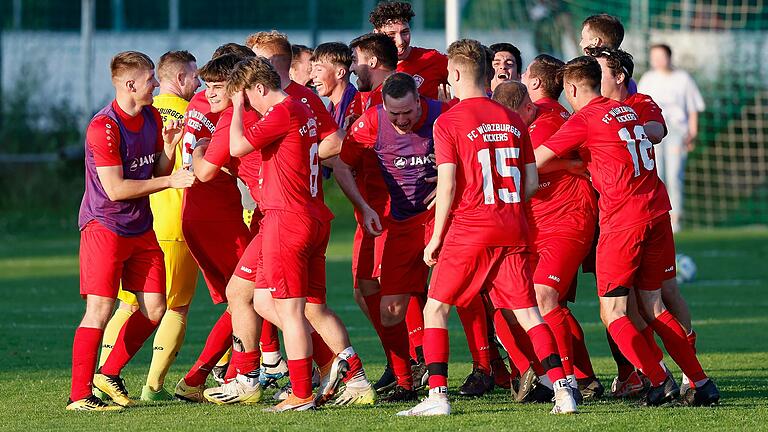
point(321, 352)
point(677, 345)
point(436, 352)
point(374, 309)
point(395, 342)
point(692, 340)
point(546, 351)
point(85, 350)
point(269, 341)
point(636, 350)
point(300, 373)
point(624, 367)
point(524, 342)
point(414, 320)
point(218, 342)
point(561, 330)
point(244, 363)
point(476, 329)
point(582, 365)
point(658, 354)
point(355, 367)
point(231, 371)
point(517, 359)
point(135, 331)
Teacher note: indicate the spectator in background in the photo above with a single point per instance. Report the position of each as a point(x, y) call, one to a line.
point(680, 100)
point(301, 66)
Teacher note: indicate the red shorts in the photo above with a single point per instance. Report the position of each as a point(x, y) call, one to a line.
point(367, 252)
point(248, 265)
point(403, 270)
point(463, 271)
point(556, 261)
point(217, 247)
point(292, 263)
point(641, 257)
point(107, 259)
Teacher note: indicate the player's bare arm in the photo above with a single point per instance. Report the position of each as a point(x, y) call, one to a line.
point(446, 189)
point(171, 134)
point(573, 166)
point(543, 156)
point(531, 180)
point(238, 144)
point(330, 146)
point(346, 180)
point(119, 188)
point(204, 170)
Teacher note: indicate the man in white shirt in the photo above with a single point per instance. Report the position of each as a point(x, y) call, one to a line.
point(680, 100)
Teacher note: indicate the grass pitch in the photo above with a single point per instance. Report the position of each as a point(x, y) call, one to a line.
point(40, 308)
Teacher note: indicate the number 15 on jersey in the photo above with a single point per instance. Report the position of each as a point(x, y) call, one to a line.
point(502, 155)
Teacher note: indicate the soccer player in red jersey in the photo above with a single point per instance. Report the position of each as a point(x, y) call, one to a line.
point(618, 67)
point(427, 66)
point(301, 64)
point(561, 216)
point(636, 249)
point(399, 132)
point(485, 171)
point(128, 156)
point(507, 63)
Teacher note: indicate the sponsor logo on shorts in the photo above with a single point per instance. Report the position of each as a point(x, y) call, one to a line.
point(669, 269)
point(272, 289)
point(246, 269)
point(554, 278)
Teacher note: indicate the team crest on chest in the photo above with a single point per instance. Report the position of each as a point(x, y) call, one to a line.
point(419, 80)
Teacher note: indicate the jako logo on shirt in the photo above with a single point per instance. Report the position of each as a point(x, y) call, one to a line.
point(139, 162)
point(554, 278)
point(403, 162)
point(419, 80)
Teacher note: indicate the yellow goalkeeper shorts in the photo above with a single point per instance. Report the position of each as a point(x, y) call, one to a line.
point(180, 276)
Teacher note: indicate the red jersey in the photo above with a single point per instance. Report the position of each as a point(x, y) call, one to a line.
point(564, 202)
point(646, 109)
point(219, 198)
point(246, 167)
point(428, 67)
point(287, 139)
point(368, 176)
point(371, 99)
point(326, 125)
point(611, 140)
point(490, 146)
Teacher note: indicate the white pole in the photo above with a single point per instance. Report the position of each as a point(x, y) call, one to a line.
point(452, 21)
point(86, 51)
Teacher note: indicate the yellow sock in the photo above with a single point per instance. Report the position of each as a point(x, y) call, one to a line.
point(168, 340)
point(225, 358)
point(111, 331)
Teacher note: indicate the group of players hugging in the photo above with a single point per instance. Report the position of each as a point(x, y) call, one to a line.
point(463, 163)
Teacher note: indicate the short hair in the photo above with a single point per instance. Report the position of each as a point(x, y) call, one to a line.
point(333, 52)
point(378, 45)
point(219, 68)
point(618, 61)
point(508, 47)
point(511, 94)
point(249, 72)
point(606, 27)
point(470, 55)
point(297, 50)
point(241, 51)
point(273, 41)
point(398, 85)
point(128, 61)
point(170, 63)
point(546, 68)
point(664, 47)
point(489, 72)
point(584, 69)
point(388, 12)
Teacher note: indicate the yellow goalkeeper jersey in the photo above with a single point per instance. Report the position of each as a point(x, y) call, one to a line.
point(166, 204)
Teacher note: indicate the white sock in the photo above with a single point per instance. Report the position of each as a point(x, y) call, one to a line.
point(271, 357)
point(544, 379)
point(572, 381)
point(250, 381)
point(700, 383)
point(347, 353)
point(560, 384)
point(439, 392)
point(664, 366)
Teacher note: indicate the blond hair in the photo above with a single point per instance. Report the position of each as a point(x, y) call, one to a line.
point(129, 61)
point(470, 56)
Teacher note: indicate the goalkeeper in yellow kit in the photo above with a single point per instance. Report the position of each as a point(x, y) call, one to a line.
point(177, 73)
